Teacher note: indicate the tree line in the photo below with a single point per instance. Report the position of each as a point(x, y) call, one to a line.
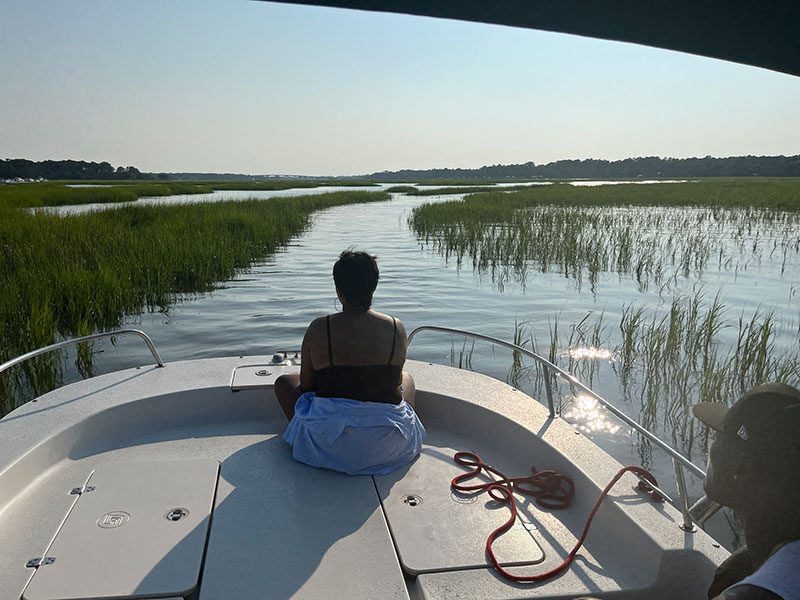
point(647, 167)
point(12, 168)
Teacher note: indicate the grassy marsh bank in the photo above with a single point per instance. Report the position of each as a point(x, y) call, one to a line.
point(32, 195)
point(451, 182)
point(465, 189)
point(456, 188)
point(68, 276)
point(630, 230)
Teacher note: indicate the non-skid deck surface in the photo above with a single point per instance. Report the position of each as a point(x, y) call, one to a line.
point(282, 529)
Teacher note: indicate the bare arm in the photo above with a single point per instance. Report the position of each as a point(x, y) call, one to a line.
point(402, 342)
point(306, 364)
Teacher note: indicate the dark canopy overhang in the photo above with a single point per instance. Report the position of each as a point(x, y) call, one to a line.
point(763, 34)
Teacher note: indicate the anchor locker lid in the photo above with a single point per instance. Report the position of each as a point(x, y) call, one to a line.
point(136, 530)
point(436, 529)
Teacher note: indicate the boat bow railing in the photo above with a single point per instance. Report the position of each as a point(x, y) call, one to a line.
point(699, 512)
point(87, 338)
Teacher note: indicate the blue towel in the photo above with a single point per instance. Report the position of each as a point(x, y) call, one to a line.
point(355, 437)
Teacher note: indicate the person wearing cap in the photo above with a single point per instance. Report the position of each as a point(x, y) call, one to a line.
point(754, 468)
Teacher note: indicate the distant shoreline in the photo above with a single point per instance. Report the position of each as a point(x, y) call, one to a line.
point(20, 170)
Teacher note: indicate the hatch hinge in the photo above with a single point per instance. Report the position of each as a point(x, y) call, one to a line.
point(79, 490)
point(35, 563)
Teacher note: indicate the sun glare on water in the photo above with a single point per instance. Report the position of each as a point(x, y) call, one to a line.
point(589, 416)
point(589, 353)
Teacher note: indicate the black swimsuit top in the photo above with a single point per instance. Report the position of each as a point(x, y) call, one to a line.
point(368, 383)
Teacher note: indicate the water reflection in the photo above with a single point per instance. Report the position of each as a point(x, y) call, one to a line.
point(588, 415)
point(590, 353)
point(581, 183)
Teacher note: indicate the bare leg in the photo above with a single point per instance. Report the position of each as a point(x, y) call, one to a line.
point(287, 391)
point(409, 389)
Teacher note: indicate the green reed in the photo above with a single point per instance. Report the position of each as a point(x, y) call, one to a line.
point(463, 188)
point(32, 195)
point(464, 355)
point(68, 276)
point(668, 360)
point(631, 230)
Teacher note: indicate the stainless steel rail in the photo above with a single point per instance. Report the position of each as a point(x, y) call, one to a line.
point(88, 338)
point(546, 365)
point(679, 461)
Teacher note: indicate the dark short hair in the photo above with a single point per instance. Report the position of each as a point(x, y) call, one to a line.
point(356, 276)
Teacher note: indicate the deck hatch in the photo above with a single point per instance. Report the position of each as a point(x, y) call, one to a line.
point(123, 540)
point(259, 376)
point(435, 529)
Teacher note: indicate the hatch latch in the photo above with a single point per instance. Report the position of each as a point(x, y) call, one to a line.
point(35, 563)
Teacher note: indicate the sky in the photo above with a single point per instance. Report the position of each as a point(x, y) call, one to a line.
point(263, 88)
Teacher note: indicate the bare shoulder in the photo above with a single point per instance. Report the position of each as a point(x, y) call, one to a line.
point(401, 329)
point(386, 320)
point(390, 321)
point(318, 322)
point(315, 328)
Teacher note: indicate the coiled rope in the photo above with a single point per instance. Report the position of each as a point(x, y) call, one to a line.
point(550, 490)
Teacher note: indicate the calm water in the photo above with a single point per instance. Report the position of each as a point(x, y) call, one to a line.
point(268, 308)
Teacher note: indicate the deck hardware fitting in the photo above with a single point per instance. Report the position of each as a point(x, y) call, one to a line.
point(462, 498)
point(176, 514)
point(412, 500)
point(35, 563)
point(79, 490)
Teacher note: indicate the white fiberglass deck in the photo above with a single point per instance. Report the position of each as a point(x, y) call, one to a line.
point(280, 529)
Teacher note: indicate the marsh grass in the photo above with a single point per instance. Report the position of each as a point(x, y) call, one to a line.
point(463, 358)
point(33, 195)
point(459, 182)
point(668, 360)
point(630, 230)
point(464, 188)
point(524, 339)
point(681, 361)
point(63, 277)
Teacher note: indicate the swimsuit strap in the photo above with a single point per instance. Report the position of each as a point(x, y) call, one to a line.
point(394, 337)
point(330, 351)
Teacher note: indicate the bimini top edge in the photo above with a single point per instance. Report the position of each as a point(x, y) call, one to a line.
point(738, 31)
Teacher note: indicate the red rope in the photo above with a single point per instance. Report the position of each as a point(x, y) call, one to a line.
point(546, 487)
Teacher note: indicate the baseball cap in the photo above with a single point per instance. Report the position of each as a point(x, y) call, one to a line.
point(762, 416)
